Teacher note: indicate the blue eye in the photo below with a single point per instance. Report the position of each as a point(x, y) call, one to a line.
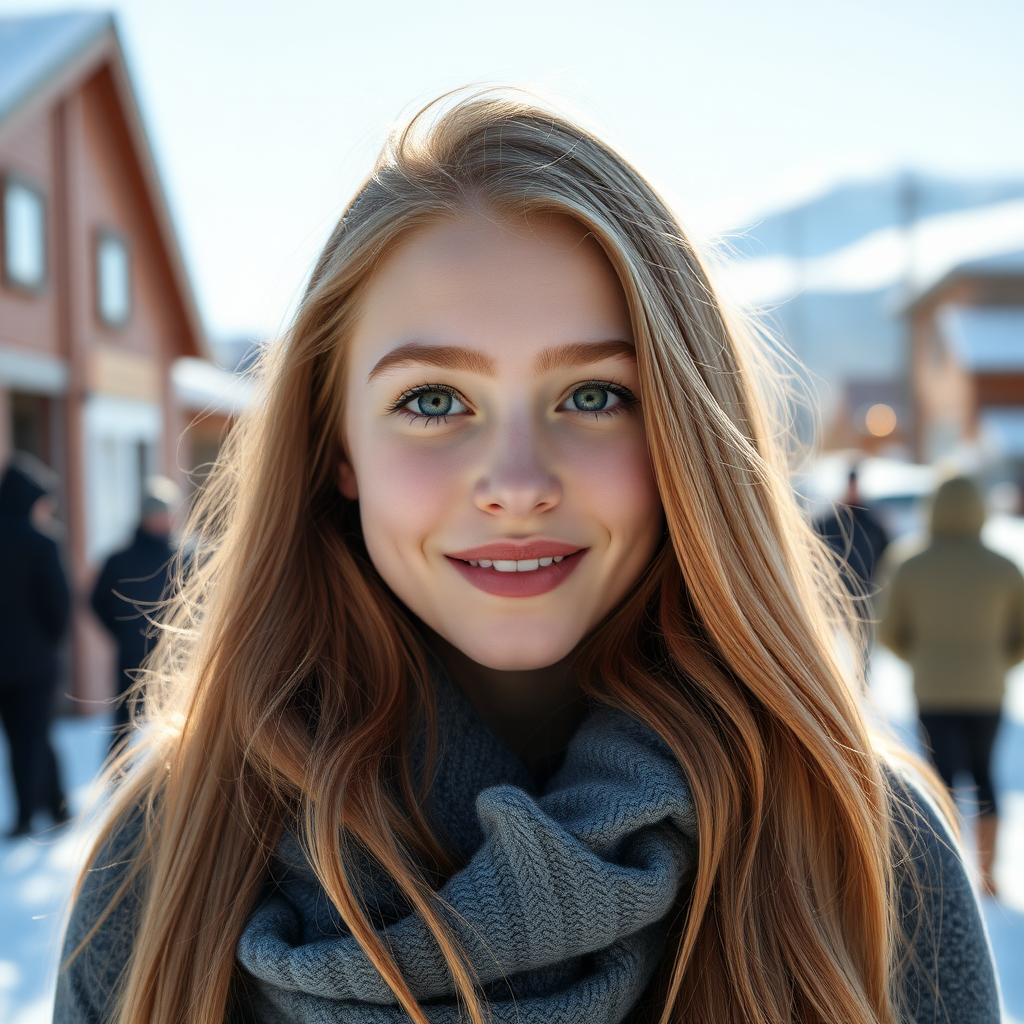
point(430, 402)
point(591, 398)
point(602, 398)
point(434, 403)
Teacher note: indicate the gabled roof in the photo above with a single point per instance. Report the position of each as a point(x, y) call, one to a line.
point(985, 339)
point(1006, 264)
point(32, 50)
point(45, 57)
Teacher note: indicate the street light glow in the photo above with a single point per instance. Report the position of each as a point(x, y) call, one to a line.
point(880, 420)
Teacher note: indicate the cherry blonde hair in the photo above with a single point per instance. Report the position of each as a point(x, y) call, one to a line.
point(284, 684)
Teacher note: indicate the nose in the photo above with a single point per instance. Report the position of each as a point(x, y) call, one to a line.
point(517, 480)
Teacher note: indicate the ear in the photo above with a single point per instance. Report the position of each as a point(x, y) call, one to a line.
point(347, 479)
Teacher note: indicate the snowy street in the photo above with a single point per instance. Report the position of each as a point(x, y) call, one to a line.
point(36, 874)
point(1005, 919)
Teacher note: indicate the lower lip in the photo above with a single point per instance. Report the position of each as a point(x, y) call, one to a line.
point(518, 584)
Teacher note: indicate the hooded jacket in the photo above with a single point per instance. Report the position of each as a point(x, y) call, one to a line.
point(956, 610)
point(128, 590)
point(34, 599)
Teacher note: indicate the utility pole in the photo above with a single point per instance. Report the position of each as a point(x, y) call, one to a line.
point(909, 202)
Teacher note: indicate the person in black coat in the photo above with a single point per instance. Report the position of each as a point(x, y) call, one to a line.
point(130, 587)
point(35, 606)
point(856, 538)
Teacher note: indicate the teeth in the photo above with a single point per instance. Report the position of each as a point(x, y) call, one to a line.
point(471, 562)
point(520, 565)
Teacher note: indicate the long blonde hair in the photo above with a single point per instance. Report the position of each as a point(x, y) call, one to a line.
point(280, 693)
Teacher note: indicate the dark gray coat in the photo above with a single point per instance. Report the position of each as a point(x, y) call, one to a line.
point(34, 600)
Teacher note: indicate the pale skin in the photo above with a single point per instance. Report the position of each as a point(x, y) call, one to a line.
point(477, 345)
point(159, 524)
point(42, 511)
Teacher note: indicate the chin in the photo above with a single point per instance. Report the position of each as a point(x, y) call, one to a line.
point(514, 650)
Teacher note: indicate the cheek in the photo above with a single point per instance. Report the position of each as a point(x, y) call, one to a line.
point(405, 490)
point(616, 483)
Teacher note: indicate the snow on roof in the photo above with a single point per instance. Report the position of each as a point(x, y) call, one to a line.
point(1004, 263)
point(202, 386)
point(881, 259)
point(34, 49)
point(1002, 429)
point(985, 339)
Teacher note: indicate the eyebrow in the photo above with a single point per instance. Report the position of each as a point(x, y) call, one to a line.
point(454, 357)
point(579, 353)
point(448, 357)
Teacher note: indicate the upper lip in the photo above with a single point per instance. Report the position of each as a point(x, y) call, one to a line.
point(509, 551)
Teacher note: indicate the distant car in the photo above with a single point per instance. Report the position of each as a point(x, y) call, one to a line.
point(900, 514)
point(896, 491)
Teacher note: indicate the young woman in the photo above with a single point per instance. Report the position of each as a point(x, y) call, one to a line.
point(506, 685)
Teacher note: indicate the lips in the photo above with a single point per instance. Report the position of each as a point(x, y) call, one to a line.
point(524, 570)
point(509, 551)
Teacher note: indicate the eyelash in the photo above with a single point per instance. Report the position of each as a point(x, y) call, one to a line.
point(424, 389)
point(627, 402)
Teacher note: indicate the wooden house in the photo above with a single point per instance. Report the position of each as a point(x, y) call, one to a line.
point(967, 366)
point(95, 303)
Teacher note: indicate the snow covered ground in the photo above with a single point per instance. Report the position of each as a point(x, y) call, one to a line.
point(36, 874)
point(1005, 920)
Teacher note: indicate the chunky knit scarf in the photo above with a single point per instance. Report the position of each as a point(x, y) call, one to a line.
point(562, 905)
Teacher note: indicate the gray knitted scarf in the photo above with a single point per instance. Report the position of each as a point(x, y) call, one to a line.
point(562, 904)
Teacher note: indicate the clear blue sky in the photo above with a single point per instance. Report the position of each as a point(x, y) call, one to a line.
point(265, 114)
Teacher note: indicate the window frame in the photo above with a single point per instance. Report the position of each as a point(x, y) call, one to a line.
point(23, 181)
point(112, 235)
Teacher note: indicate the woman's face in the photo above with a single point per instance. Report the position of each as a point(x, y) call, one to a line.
point(494, 438)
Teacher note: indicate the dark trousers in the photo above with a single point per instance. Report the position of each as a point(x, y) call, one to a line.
point(960, 741)
point(25, 711)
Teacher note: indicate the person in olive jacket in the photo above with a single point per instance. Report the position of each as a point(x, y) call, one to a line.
point(130, 587)
point(34, 611)
point(956, 613)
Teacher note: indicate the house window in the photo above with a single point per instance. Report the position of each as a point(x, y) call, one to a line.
point(113, 280)
point(24, 222)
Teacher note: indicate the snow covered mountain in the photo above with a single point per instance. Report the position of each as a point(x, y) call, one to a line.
point(832, 275)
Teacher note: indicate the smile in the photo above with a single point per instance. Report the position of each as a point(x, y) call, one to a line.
point(520, 565)
point(517, 577)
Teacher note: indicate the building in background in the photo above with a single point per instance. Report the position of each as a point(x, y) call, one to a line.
point(834, 275)
point(872, 415)
point(95, 304)
point(967, 367)
point(212, 395)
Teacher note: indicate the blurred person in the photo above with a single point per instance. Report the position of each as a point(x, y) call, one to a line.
point(130, 587)
point(34, 611)
point(956, 613)
point(855, 536)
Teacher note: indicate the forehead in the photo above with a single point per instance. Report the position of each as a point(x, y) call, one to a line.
point(504, 288)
